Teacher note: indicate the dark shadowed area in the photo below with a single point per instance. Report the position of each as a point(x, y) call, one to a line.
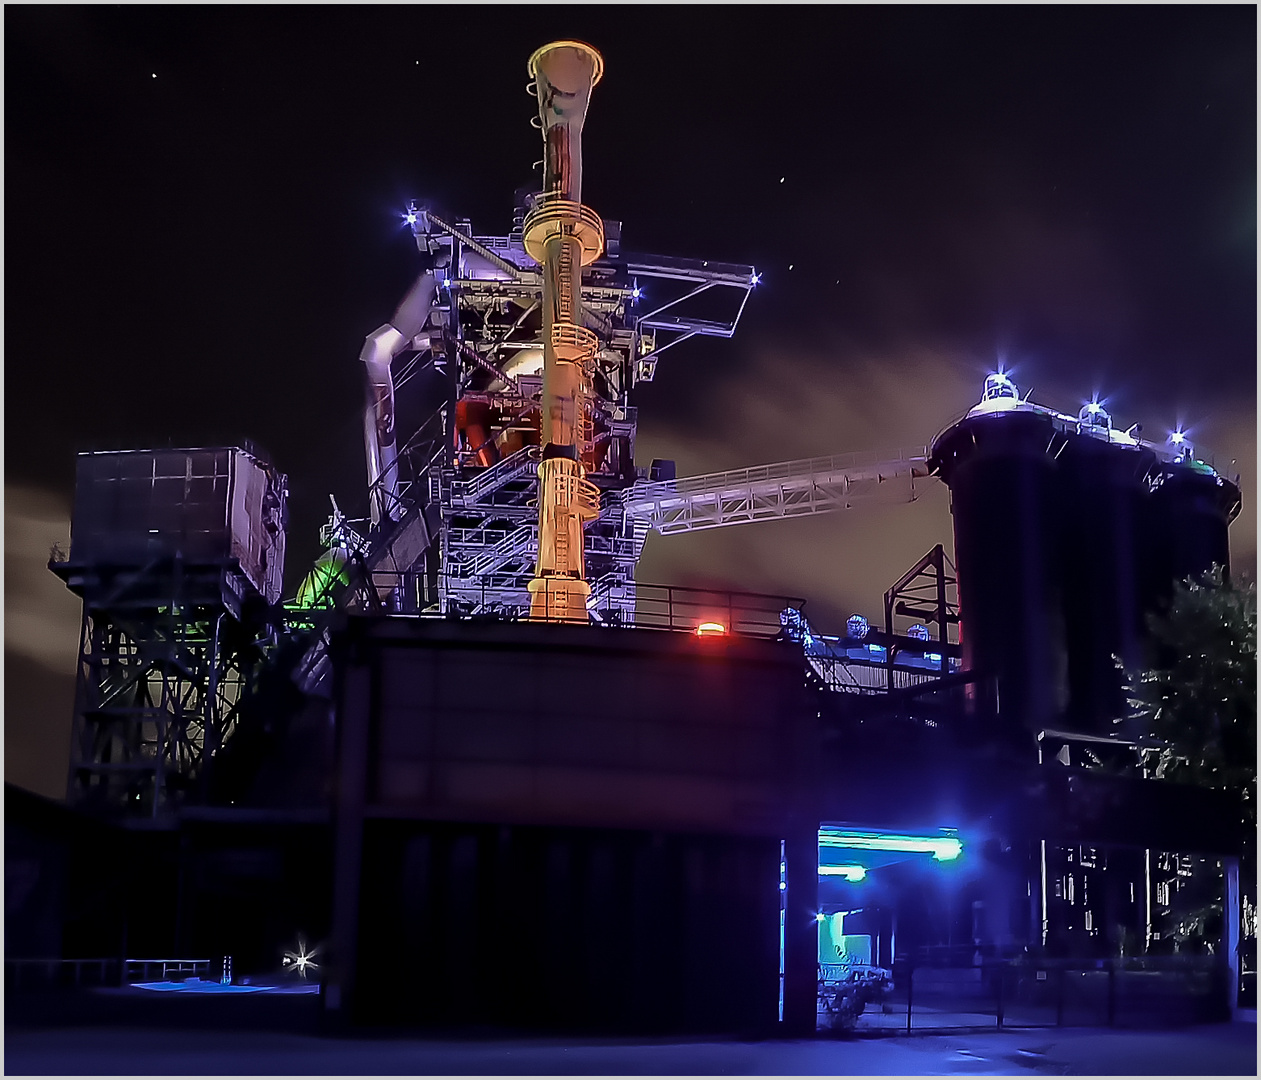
point(203, 223)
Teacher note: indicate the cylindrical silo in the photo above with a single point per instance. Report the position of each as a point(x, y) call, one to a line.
point(1102, 488)
point(1002, 474)
point(1189, 512)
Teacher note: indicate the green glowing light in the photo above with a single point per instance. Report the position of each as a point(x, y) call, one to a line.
point(316, 590)
point(849, 873)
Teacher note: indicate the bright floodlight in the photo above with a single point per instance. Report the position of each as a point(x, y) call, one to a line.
point(756, 279)
point(411, 219)
point(301, 959)
point(1095, 415)
point(998, 385)
point(1177, 438)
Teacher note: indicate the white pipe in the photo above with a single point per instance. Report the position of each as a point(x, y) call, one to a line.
point(379, 350)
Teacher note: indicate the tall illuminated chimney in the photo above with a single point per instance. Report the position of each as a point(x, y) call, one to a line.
point(563, 236)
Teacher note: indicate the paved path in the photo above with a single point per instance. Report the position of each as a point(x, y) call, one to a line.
point(1217, 1050)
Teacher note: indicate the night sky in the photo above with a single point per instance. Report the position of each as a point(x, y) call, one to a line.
point(202, 223)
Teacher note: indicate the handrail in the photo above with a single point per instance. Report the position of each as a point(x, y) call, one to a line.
point(803, 467)
point(500, 473)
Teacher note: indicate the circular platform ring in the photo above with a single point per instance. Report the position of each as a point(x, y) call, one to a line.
point(576, 344)
point(597, 59)
point(557, 217)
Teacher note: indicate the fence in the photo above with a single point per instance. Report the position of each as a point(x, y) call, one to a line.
point(655, 607)
point(1141, 992)
point(47, 974)
point(36, 974)
point(165, 970)
point(674, 607)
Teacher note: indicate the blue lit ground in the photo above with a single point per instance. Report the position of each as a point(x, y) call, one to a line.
point(199, 986)
point(1218, 1050)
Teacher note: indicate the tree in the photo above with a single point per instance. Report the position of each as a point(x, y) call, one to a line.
point(1195, 705)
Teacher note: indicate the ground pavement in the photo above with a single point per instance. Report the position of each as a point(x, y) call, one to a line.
point(1212, 1050)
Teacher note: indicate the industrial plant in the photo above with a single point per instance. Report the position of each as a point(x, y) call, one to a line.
point(475, 770)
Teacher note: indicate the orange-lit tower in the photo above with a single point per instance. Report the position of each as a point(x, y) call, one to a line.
point(563, 236)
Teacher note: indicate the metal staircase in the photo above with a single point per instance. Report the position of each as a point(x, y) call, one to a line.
point(480, 490)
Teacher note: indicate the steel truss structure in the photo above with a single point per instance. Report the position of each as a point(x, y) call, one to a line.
point(928, 593)
point(767, 492)
point(166, 659)
point(463, 533)
point(541, 336)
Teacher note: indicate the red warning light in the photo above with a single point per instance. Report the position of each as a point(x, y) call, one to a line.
point(707, 628)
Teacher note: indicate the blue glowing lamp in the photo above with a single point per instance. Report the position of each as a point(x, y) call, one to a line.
point(1185, 451)
point(1094, 415)
point(857, 627)
point(999, 385)
point(919, 633)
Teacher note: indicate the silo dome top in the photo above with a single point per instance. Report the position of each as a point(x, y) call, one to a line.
point(999, 395)
point(997, 386)
point(1095, 415)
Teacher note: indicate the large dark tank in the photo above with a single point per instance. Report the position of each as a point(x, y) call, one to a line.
point(1188, 517)
point(999, 463)
point(1103, 488)
point(1068, 533)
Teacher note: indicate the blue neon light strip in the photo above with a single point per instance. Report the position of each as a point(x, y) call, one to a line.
point(199, 987)
point(942, 847)
point(783, 911)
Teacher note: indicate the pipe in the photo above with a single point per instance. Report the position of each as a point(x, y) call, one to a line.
point(498, 261)
point(562, 236)
point(379, 350)
point(473, 419)
point(478, 360)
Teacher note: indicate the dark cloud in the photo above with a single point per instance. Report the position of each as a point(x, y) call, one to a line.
point(41, 618)
point(41, 635)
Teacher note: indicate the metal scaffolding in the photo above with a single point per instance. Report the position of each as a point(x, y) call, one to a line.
point(177, 556)
point(164, 666)
point(465, 482)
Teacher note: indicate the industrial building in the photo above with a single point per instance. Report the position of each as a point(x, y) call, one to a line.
point(500, 780)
